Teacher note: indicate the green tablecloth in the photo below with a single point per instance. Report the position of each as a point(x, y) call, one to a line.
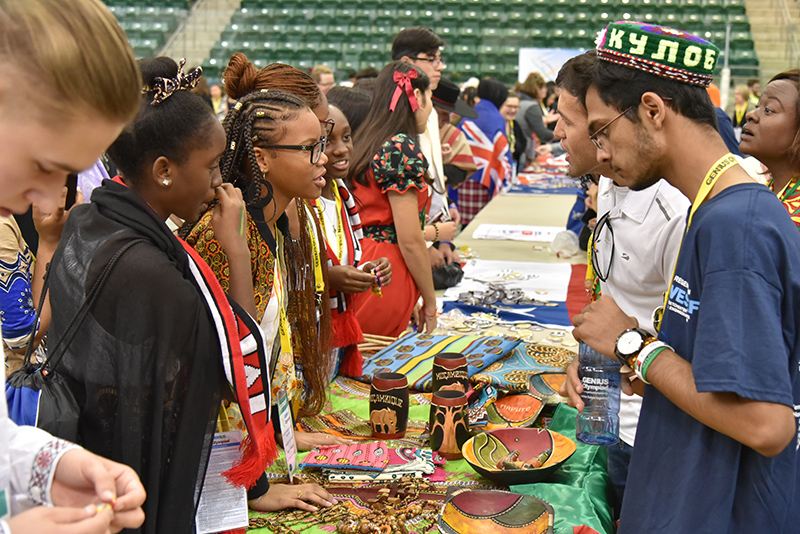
point(577, 491)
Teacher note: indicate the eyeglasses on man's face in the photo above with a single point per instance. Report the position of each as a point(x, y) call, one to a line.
point(598, 136)
point(435, 61)
point(316, 149)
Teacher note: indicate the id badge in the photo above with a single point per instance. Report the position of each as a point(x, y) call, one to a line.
point(287, 431)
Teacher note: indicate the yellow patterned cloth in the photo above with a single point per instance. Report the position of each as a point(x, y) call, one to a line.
point(262, 263)
point(203, 240)
point(790, 197)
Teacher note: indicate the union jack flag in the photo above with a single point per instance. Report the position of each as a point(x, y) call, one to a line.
point(487, 139)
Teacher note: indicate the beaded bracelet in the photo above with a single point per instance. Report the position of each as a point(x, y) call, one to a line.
point(436, 227)
point(646, 357)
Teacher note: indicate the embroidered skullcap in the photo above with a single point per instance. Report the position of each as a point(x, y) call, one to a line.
point(662, 51)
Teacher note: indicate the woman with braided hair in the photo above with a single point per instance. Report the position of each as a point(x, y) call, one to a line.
point(311, 361)
point(274, 154)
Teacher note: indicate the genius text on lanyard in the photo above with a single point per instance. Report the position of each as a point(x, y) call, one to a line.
point(722, 164)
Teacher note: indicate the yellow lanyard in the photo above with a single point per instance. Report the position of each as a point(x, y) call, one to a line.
point(740, 113)
point(286, 359)
point(319, 203)
point(722, 164)
point(319, 283)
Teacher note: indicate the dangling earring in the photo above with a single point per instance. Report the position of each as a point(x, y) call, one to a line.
point(166, 182)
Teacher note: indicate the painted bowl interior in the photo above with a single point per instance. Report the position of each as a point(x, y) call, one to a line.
point(483, 452)
point(500, 511)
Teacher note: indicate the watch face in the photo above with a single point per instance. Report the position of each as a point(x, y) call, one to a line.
point(629, 342)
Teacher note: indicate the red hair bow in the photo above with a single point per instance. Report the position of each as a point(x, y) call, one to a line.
point(403, 81)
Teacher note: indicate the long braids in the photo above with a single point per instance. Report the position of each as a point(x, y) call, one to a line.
point(304, 305)
point(257, 119)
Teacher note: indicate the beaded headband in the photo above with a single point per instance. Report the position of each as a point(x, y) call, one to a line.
point(662, 51)
point(165, 87)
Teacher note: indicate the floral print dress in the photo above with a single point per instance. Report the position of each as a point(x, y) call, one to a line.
point(398, 166)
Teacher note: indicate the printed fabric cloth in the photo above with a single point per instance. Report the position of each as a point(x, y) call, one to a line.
point(413, 354)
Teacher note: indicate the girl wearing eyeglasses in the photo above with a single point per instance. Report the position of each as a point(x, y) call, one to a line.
point(275, 154)
point(348, 273)
point(390, 180)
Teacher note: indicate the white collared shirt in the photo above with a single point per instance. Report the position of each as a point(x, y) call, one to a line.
point(648, 227)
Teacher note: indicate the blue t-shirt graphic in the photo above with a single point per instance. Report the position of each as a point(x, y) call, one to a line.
point(734, 314)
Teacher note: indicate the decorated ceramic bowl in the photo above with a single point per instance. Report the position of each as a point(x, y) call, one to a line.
point(492, 454)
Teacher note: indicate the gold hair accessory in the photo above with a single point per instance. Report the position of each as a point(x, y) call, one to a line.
point(165, 87)
point(260, 114)
point(265, 90)
point(255, 138)
point(238, 106)
point(233, 145)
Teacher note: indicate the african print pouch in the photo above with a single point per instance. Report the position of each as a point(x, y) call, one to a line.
point(363, 456)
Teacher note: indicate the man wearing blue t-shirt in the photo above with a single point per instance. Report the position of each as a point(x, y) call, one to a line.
point(717, 444)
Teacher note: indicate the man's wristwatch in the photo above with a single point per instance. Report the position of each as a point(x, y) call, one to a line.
point(630, 343)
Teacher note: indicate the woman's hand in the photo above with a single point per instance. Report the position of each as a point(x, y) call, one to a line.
point(383, 269)
point(230, 220)
point(348, 279)
point(447, 230)
point(436, 257)
point(302, 496)
point(305, 441)
point(428, 317)
point(62, 520)
point(50, 225)
point(82, 478)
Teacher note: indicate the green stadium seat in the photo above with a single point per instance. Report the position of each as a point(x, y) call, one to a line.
point(472, 16)
point(518, 19)
point(509, 53)
point(557, 38)
point(490, 69)
point(739, 23)
point(492, 35)
point(490, 53)
point(365, 14)
point(469, 34)
point(345, 16)
point(360, 32)
point(735, 7)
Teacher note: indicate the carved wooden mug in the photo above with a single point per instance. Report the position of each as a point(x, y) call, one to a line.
point(388, 405)
point(448, 423)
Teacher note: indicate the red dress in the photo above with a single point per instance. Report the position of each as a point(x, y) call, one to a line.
point(398, 166)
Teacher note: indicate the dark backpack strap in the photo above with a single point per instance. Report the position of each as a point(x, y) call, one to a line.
point(66, 338)
point(32, 340)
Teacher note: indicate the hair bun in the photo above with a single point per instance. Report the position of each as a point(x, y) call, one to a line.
point(157, 67)
point(240, 76)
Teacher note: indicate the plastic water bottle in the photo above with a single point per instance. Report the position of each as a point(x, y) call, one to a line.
point(598, 423)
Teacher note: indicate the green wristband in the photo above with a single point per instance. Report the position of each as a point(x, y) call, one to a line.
point(648, 361)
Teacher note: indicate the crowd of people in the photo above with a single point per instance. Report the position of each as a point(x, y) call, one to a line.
point(238, 244)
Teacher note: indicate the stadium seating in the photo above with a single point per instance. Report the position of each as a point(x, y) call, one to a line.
point(483, 36)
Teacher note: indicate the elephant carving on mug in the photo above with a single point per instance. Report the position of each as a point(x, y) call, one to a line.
point(383, 421)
